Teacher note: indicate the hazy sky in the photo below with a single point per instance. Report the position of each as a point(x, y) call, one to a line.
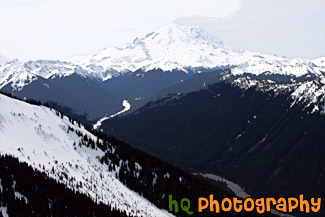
point(57, 29)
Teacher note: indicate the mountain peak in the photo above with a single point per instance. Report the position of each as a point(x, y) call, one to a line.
point(171, 47)
point(185, 36)
point(195, 33)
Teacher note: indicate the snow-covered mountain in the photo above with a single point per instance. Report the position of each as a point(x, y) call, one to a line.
point(172, 48)
point(175, 47)
point(49, 143)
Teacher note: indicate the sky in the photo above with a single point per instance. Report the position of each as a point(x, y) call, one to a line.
point(58, 29)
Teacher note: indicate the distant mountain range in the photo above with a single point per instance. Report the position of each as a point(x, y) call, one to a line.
point(144, 67)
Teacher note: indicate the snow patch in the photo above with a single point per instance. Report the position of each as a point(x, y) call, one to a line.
point(20, 197)
point(167, 175)
point(127, 107)
point(4, 211)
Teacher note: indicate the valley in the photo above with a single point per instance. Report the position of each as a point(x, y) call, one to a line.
point(123, 128)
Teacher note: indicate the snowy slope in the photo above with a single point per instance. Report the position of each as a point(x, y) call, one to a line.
point(38, 136)
point(309, 92)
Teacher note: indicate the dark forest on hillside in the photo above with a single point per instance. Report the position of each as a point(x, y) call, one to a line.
point(252, 138)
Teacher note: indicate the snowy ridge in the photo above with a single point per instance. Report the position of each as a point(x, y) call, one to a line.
point(20, 74)
point(38, 136)
point(311, 93)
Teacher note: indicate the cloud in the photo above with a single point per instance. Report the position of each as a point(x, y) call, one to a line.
point(290, 28)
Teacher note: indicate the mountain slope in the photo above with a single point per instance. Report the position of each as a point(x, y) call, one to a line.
point(50, 143)
point(93, 164)
point(257, 138)
point(193, 83)
point(26, 192)
point(62, 84)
